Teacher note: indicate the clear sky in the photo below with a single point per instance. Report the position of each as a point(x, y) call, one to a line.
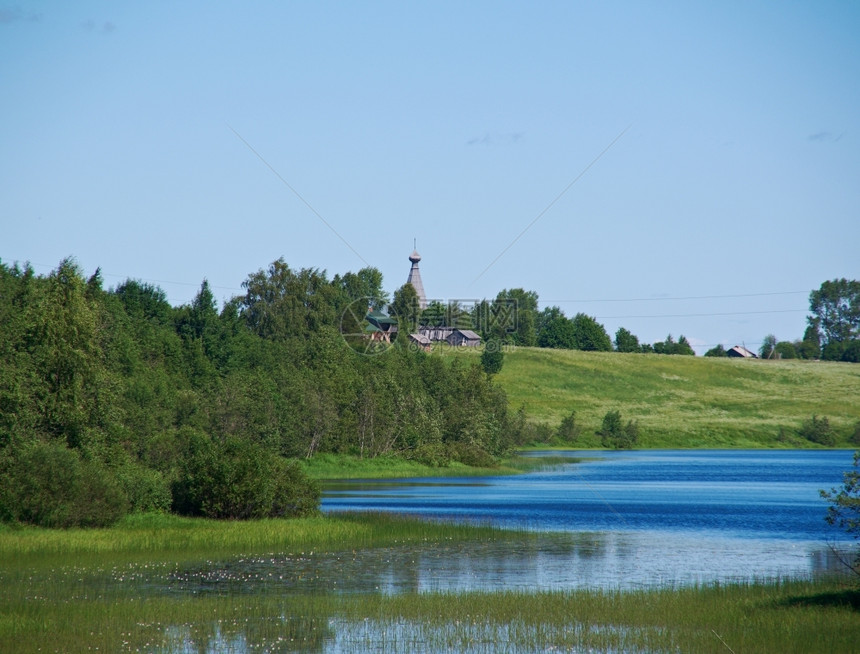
point(176, 141)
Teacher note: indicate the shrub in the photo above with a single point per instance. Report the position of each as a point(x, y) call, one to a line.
point(50, 485)
point(818, 430)
point(716, 351)
point(851, 352)
point(844, 509)
point(785, 350)
point(615, 434)
point(433, 454)
point(147, 490)
point(568, 430)
point(492, 357)
point(474, 455)
point(855, 435)
point(295, 494)
point(238, 479)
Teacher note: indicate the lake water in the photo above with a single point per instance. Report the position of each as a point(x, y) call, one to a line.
point(634, 519)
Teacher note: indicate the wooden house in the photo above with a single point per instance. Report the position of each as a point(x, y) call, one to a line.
point(380, 327)
point(464, 338)
point(740, 352)
point(421, 341)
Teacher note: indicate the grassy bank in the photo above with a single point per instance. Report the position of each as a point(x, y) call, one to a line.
point(682, 401)
point(173, 538)
point(341, 466)
point(119, 590)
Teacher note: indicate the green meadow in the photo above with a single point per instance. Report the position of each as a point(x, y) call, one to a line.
point(118, 590)
point(682, 401)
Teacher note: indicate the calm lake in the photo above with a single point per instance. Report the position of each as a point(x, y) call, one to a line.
point(634, 519)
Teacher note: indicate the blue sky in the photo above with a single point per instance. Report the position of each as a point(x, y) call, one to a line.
point(142, 138)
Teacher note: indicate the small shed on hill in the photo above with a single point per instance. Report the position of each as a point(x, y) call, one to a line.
point(740, 352)
point(421, 341)
point(463, 337)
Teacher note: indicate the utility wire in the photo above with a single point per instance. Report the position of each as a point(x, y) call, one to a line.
point(680, 297)
point(550, 205)
point(298, 195)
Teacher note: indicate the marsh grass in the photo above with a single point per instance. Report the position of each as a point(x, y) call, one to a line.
point(115, 590)
point(85, 609)
point(173, 538)
point(682, 401)
point(341, 466)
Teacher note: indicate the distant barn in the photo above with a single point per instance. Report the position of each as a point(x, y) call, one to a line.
point(463, 337)
point(436, 334)
point(421, 341)
point(740, 352)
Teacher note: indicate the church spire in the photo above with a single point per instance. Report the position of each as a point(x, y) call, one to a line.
point(415, 279)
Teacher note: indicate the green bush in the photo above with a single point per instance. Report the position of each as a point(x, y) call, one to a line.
point(818, 430)
point(471, 454)
point(50, 485)
point(295, 494)
point(238, 479)
point(615, 434)
point(433, 454)
point(568, 430)
point(492, 358)
point(147, 490)
point(854, 439)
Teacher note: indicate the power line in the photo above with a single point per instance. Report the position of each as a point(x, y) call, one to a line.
point(550, 205)
point(687, 297)
point(701, 315)
point(143, 279)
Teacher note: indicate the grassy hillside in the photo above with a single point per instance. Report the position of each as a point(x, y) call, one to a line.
point(682, 401)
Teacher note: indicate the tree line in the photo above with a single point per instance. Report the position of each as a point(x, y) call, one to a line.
point(513, 318)
point(112, 400)
point(832, 333)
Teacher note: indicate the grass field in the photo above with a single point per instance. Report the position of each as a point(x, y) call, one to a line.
point(117, 590)
point(682, 401)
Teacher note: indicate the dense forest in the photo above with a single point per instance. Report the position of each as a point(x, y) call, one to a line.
point(112, 400)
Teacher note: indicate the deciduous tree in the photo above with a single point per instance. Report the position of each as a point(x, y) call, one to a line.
point(844, 509)
point(626, 342)
point(835, 309)
point(590, 335)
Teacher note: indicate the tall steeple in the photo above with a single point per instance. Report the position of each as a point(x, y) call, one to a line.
point(415, 279)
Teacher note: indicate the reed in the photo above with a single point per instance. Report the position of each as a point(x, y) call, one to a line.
point(343, 466)
point(169, 537)
point(87, 609)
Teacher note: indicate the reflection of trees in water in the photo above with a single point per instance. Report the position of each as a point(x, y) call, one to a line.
point(832, 559)
point(274, 633)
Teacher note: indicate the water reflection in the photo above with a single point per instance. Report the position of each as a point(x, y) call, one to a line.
point(542, 562)
point(549, 562)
